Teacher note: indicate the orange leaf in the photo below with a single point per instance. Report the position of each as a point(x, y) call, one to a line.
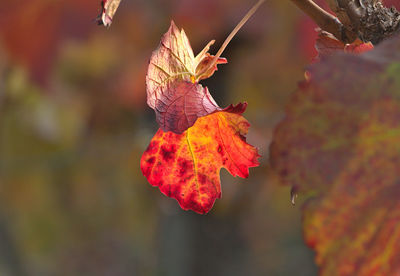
point(186, 166)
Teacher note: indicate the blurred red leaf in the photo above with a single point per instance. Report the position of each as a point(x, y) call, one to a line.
point(186, 166)
point(339, 140)
point(32, 30)
point(305, 37)
point(171, 82)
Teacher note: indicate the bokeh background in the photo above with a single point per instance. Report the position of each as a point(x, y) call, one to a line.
point(74, 123)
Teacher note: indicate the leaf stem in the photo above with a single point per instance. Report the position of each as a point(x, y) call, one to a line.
point(232, 34)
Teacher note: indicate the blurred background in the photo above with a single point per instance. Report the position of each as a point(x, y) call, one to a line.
point(74, 124)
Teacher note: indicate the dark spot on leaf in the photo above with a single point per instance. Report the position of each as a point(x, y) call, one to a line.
point(183, 167)
point(146, 170)
point(202, 178)
point(168, 153)
point(151, 160)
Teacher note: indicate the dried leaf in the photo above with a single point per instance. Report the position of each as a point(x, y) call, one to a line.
point(108, 10)
point(171, 63)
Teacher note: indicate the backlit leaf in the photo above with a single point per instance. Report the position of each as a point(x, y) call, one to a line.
point(186, 166)
point(340, 141)
point(174, 62)
point(183, 103)
point(196, 138)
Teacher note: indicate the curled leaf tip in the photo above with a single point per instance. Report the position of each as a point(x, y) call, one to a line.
point(216, 58)
point(108, 10)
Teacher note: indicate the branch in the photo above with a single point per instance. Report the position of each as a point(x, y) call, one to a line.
point(326, 21)
point(368, 18)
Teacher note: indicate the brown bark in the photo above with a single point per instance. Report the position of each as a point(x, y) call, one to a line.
point(325, 20)
point(368, 20)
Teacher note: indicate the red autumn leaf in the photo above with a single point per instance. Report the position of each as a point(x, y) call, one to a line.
point(196, 138)
point(340, 141)
point(108, 10)
point(174, 62)
point(186, 166)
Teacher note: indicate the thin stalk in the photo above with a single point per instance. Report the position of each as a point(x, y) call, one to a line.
point(232, 34)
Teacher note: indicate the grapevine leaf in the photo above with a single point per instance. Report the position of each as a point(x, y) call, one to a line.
point(340, 141)
point(362, 205)
point(171, 63)
point(186, 166)
point(184, 103)
point(108, 10)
